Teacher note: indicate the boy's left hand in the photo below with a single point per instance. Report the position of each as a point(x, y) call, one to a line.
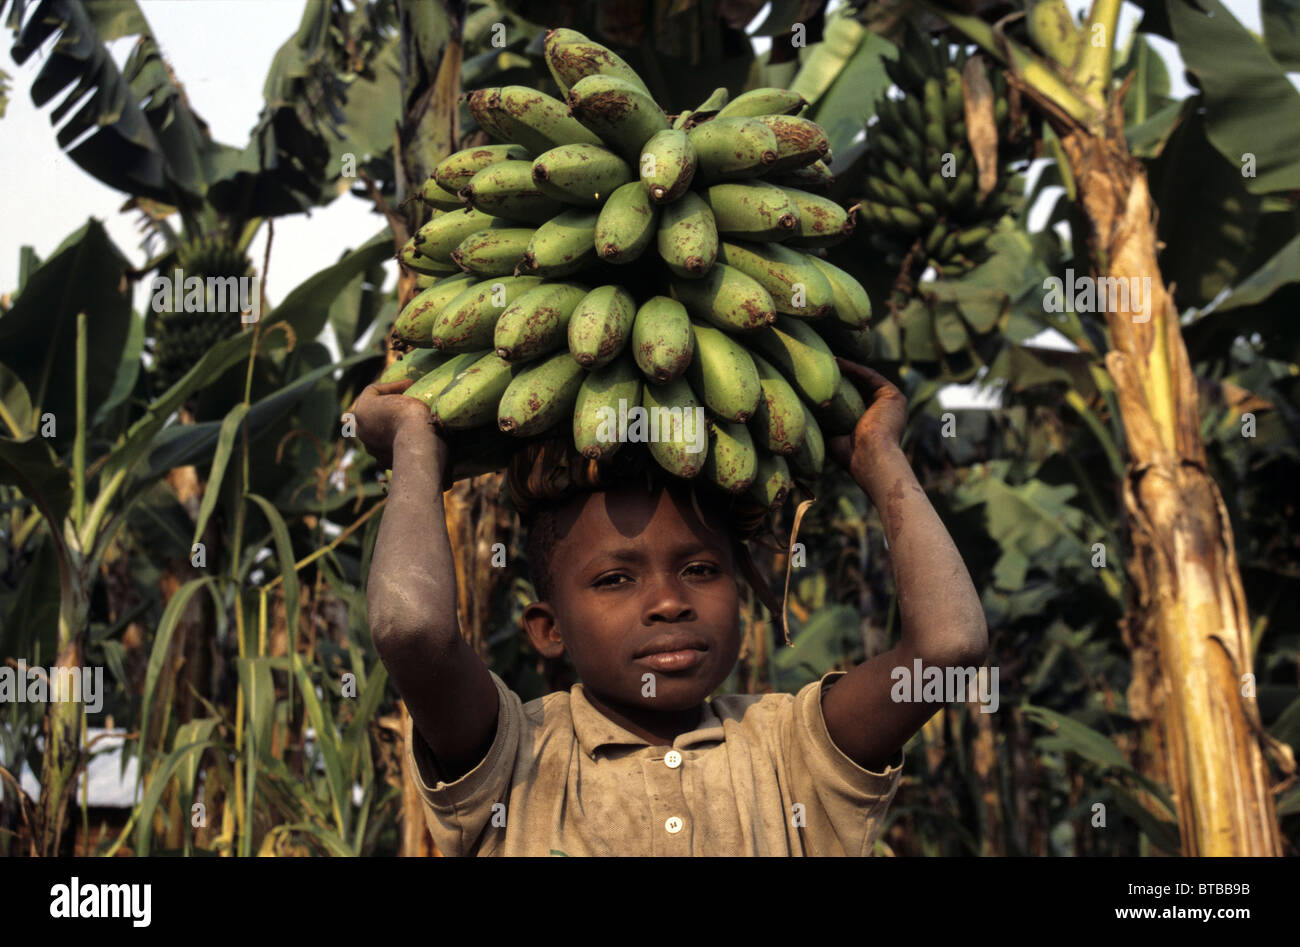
point(881, 425)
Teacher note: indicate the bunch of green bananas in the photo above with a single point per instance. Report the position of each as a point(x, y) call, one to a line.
point(181, 338)
point(612, 256)
point(921, 180)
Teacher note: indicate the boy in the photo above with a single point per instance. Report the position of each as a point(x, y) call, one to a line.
point(640, 589)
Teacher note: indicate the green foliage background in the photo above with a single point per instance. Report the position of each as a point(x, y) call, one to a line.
point(251, 684)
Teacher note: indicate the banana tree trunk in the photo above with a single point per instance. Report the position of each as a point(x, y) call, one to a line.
point(1186, 622)
point(63, 715)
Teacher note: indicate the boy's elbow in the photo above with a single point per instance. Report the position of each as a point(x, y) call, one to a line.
point(401, 626)
point(966, 646)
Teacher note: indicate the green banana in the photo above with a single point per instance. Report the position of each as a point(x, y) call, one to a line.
point(752, 210)
point(810, 458)
point(480, 103)
point(973, 237)
point(493, 252)
point(536, 120)
point(601, 325)
point(935, 238)
point(954, 97)
point(815, 177)
point(729, 148)
point(799, 142)
point(910, 111)
point(468, 321)
point(840, 415)
point(905, 220)
point(432, 384)
point(584, 175)
point(537, 322)
point(411, 257)
point(722, 373)
point(440, 236)
point(688, 238)
point(732, 461)
point(886, 143)
point(540, 396)
point(455, 171)
point(562, 245)
point(662, 340)
point(822, 222)
point(414, 324)
point(778, 423)
point(412, 366)
point(626, 224)
point(619, 112)
point(597, 409)
point(797, 287)
point(1054, 31)
point(667, 165)
point(432, 194)
point(758, 102)
point(506, 189)
point(796, 349)
point(936, 113)
point(847, 341)
point(913, 185)
point(471, 399)
point(676, 427)
point(727, 298)
point(851, 303)
point(772, 483)
point(571, 57)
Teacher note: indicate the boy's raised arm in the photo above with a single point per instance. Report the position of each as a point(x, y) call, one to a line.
point(411, 590)
point(942, 619)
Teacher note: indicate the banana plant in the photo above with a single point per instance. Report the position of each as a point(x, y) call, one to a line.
point(1065, 71)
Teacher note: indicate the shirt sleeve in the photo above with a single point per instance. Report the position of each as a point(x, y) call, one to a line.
point(458, 812)
point(845, 804)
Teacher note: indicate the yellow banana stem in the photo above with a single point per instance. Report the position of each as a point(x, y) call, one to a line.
point(1092, 74)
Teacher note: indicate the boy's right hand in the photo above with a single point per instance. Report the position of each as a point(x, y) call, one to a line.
point(382, 411)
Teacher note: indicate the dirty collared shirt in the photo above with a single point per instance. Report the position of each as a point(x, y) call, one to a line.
point(758, 776)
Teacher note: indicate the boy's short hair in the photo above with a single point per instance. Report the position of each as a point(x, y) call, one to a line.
point(544, 476)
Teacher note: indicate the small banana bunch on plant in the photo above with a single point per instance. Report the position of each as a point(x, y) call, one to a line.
point(607, 256)
point(922, 180)
point(184, 334)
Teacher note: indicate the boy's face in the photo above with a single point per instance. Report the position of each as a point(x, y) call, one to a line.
point(637, 574)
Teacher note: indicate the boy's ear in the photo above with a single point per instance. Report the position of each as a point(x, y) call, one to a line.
point(543, 630)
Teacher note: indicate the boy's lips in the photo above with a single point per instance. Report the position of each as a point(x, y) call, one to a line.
point(669, 643)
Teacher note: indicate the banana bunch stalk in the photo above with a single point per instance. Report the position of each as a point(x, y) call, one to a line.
point(617, 272)
point(921, 184)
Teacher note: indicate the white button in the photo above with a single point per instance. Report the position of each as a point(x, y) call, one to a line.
point(673, 825)
point(672, 759)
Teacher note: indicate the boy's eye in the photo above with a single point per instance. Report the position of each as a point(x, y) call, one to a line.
point(610, 580)
point(701, 568)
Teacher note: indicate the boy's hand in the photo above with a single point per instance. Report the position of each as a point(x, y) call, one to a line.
point(881, 426)
point(381, 412)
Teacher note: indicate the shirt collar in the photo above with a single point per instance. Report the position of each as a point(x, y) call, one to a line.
point(594, 730)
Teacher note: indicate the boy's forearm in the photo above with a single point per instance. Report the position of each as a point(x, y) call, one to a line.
point(411, 594)
point(941, 615)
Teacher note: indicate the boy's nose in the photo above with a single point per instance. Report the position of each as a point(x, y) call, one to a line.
point(667, 601)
